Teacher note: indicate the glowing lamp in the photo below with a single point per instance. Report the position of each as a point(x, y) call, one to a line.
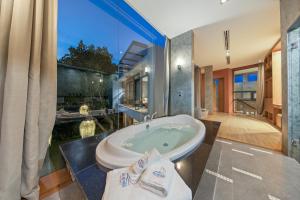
point(84, 110)
point(87, 128)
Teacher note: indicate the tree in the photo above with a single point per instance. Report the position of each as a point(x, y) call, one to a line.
point(97, 58)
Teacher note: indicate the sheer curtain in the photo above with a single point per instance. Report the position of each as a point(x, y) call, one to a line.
point(28, 35)
point(260, 90)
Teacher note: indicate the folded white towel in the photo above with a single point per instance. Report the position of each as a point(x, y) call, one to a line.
point(137, 168)
point(158, 177)
point(115, 191)
point(149, 158)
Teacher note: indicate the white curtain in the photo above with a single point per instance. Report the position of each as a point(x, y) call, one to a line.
point(28, 43)
point(260, 90)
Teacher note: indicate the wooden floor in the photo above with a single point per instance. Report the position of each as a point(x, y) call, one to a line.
point(248, 130)
point(54, 182)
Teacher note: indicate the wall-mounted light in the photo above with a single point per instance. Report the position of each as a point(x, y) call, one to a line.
point(223, 1)
point(101, 78)
point(147, 69)
point(178, 165)
point(179, 63)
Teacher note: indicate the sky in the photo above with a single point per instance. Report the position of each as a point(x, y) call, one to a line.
point(85, 21)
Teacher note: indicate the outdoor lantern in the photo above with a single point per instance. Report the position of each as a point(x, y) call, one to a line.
point(87, 128)
point(84, 110)
point(101, 79)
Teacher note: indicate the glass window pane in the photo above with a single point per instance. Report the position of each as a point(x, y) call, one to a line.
point(104, 64)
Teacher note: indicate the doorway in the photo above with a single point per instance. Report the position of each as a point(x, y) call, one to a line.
point(244, 91)
point(219, 97)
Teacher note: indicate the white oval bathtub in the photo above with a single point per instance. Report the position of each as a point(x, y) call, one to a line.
point(173, 137)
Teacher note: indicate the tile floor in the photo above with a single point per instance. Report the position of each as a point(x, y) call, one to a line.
point(235, 171)
point(239, 171)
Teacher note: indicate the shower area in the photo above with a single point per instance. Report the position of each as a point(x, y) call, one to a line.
point(293, 52)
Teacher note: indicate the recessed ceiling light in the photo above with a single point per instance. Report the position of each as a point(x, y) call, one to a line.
point(223, 1)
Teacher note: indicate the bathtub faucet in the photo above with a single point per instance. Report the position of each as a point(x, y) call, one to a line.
point(147, 118)
point(153, 115)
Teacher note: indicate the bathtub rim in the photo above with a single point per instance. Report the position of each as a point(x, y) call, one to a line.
point(112, 161)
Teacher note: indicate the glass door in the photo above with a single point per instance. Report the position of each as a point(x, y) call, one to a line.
point(244, 91)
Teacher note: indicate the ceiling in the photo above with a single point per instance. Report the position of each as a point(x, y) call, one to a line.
point(251, 38)
point(254, 27)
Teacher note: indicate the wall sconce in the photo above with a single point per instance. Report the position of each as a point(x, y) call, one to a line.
point(101, 78)
point(179, 67)
point(223, 1)
point(180, 62)
point(147, 69)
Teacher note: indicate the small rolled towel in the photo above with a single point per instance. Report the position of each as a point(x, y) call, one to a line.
point(137, 168)
point(158, 177)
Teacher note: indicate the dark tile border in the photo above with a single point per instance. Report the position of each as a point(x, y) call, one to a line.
point(80, 159)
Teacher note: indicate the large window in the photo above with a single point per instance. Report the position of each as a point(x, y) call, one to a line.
point(244, 94)
point(104, 70)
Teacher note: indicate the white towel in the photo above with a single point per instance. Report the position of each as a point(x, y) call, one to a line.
point(149, 158)
point(158, 177)
point(137, 168)
point(115, 191)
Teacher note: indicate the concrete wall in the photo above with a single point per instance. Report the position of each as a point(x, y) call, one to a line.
point(159, 80)
point(209, 90)
point(182, 81)
point(293, 55)
point(290, 11)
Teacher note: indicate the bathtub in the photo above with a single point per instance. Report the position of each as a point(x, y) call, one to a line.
point(173, 137)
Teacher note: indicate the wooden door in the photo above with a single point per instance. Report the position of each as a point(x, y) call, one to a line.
point(221, 96)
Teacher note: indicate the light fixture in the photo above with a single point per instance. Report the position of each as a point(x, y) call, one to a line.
point(87, 128)
point(227, 53)
point(101, 78)
point(180, 63)
point(223, 1)
point(178, 165)
point(227, 45)
point(147, 69)
point(84, 110)
point(179, 67)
